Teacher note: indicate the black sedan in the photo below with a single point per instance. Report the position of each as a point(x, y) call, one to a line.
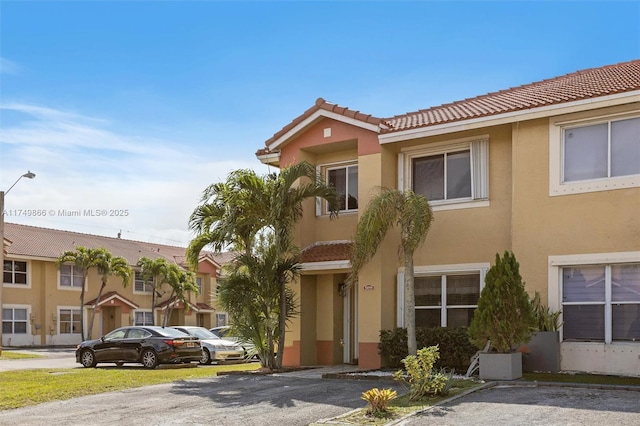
point(148, 345)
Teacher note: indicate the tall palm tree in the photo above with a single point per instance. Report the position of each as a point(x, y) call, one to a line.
point(156, 271)
point(182, 283)
point(412, 214)
point(82, 259)
point(108, 266)
point(236, 213)
point(287, 191)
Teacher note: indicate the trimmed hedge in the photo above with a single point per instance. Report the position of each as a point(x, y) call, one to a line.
point(453, 343)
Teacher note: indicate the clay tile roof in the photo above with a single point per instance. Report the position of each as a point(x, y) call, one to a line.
point(321, 104)
point(107, 296)
point(580, 85)
point(326, 251)
point(48, 243)
point(204, 307)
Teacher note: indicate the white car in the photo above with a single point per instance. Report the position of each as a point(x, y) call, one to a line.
point(214, 349)
point(224, 333)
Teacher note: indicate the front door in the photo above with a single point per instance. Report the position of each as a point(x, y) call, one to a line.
point(350, 326)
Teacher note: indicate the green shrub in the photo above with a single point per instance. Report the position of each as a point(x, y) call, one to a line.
point(420, 376)
point(504, 315)
point(453, 343)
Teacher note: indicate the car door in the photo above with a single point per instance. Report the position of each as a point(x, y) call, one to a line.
point(109, 347)
point(132, 344)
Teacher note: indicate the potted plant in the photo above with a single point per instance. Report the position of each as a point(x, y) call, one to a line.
point(504, 318)
point(543, 350)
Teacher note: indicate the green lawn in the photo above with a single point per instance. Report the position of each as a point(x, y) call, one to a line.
point(17, 355)
point(30, 387)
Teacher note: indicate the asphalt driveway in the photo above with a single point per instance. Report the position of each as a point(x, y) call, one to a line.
point(302, 397)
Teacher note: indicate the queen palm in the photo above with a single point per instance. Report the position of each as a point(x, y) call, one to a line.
point(156, 271)
point(107, 266)
point(412, 214)
point(82, 259)
point(182, 283)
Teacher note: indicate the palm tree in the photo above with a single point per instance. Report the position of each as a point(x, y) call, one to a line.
point(82, 259)
point(256, 318)
point(156, 271)
point(182, 283)
point(231, 214)
point(412, 214)
point(236, 213)
point(108, 266)
point(286, 192)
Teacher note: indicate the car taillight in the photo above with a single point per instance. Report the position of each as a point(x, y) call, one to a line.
point(174, 342)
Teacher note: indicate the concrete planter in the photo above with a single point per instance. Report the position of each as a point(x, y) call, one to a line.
point(543, 352)
point(499, 366)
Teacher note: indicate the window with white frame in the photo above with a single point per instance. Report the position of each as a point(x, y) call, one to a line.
point(451, 173)
point(446, 300)
point(601, 302)
point(71, 277)
point(601, 150)
point(199, 284)
point(14, 272)
point(139, 284)
point(143, 318)
point(69, 320)
point(14, 320)
point(221, 320)
point(345, 180)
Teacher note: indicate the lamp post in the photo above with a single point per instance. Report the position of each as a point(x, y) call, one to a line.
point(27, 175)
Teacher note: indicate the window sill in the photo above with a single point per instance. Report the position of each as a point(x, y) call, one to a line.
point(596, 185)
point(457, 205)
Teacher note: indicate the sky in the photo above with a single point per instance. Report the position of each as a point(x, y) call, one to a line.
point(127, 110)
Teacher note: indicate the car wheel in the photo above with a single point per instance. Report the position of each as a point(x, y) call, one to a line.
point(205, 359)
point(88, 358)
point(119, 364)
point(149, 359)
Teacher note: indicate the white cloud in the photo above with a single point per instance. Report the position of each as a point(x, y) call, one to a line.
point(82, 165)
point(8, 67)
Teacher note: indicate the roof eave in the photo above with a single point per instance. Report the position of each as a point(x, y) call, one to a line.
point(510, 117)
point(271, 159)
point(316, 116)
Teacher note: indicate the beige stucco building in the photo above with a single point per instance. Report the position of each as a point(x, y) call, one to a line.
point(41, 302)
point(549, 170)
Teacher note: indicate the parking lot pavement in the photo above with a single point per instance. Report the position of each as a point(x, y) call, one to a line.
point(536, 405)
point(51, 358)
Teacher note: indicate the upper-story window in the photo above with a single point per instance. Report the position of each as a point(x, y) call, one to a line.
point(70, 277)
point(139, 284)
point(593, 154)
point(14, 272)
point(199, 284)
point(603, 150)
point(345, 180)
point(449, 175)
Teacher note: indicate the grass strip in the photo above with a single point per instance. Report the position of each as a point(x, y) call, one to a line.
point(21, 388)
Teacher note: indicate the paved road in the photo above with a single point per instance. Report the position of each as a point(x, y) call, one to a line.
point(541, 405)
point(303, 397)
point(51, 358)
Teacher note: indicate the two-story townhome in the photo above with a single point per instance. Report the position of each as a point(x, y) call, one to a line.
point(41, 302)
point(549, 170)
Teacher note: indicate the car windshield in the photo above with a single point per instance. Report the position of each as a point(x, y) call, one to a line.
point(201, 333)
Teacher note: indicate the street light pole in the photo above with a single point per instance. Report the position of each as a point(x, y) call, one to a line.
point(27, 175)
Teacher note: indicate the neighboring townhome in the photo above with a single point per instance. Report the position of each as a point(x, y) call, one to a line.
point(41, 302)
point(549, 170)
